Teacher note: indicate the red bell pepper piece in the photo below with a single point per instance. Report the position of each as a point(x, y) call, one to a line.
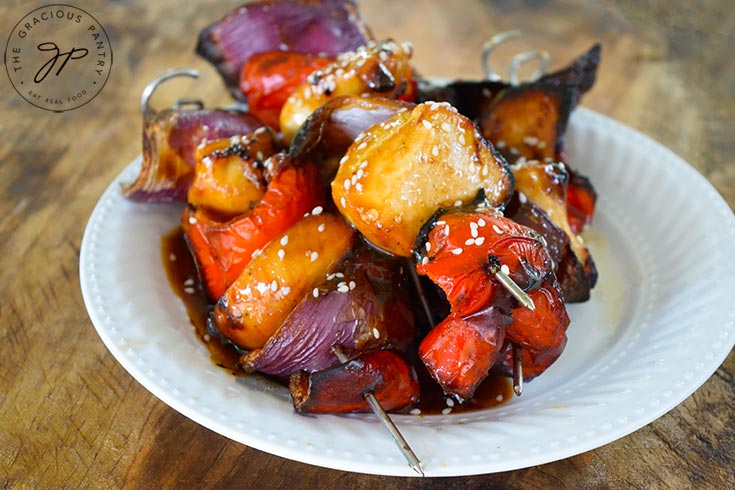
point(268, 79)
point(222, 250)
point(459, 352)
point(342, 389)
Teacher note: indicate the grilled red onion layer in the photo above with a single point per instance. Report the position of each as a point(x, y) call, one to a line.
point(304, 26)
point(362, 306)
point(169, 140)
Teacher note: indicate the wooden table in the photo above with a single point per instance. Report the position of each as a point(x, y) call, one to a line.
point(71, 417)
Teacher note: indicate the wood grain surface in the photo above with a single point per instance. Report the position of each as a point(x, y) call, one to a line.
point(71, 417)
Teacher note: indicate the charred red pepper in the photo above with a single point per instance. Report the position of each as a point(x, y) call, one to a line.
point(459, 352)
point(342, 389)
point(461, 248)
point(581, 199)
point(460, 254)
point(543, 328)
point(222, 250)
point(267, 80)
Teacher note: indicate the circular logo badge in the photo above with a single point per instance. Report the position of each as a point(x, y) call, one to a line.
point(58, 57)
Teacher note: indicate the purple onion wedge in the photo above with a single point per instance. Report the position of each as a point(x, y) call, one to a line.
point(170, 138)
point(303, 26)
point(361, 306)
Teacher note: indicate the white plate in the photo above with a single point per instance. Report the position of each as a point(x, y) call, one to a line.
point(659, 324)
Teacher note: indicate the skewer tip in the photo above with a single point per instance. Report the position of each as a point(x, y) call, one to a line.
point(517, 370)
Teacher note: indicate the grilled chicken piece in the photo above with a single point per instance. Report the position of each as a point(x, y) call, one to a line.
point(275, 280)
point(330, 130)
point(378, 68)
point(400, 172)
point(228, 175)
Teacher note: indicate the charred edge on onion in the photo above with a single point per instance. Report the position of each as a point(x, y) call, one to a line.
point(567, 84)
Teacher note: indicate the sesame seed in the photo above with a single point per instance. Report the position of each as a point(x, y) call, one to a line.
point(347, 184)
point(500, 144)
point(358, 187)
point(499, 398)
point(427, 124)
point(530, 140)
point(343, 202)
point(284, 240)
point(435, 151)
point(343, 160)
point(462, 141)
point(343, 288)
point(320, 228)
point(172, 258)
point(441, 222)
point(362, 145)
point(446, 230)
point(480, 240)
point(259, 156)
point(314, 256)
point(341, 284)
point(274, 286)
point(447, 411)
point(285, 290)
point(450, 402)
point(497, 230)
point(206, 337)
point(424, 260)
point(446, 126)
point(457, 251)
point(189, 282)
point(317, 211)
point(376, 333)
point(485, 170)
point(192, 220)
point(415, 411)
point(457, 203)
point(428, 246)
point(315, 292)
point(469, 241)
point(522, 198)
point(505, 269)
point(352, 285)
point(281, 253)
point(189, 290)
point(481, 222)
point(339, 274)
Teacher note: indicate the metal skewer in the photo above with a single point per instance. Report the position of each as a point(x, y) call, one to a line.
point(400, 441)
point(519, 59)
point(420, 291)
point(513, 288)
point(517, 369)
point(167, 75)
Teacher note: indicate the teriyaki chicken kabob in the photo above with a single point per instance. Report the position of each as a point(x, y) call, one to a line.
point(352, 189)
